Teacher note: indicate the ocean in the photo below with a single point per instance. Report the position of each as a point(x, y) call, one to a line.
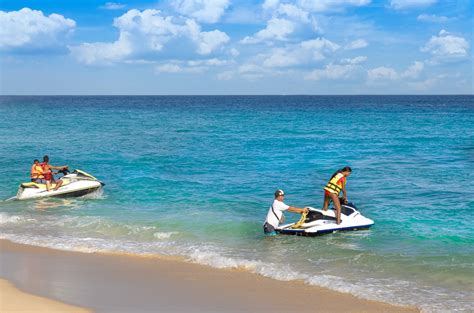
point(193, 176)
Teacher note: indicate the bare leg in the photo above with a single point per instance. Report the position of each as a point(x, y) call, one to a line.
point(48, 185)
point(337, 205)
point(58, 184)
point(325, 202)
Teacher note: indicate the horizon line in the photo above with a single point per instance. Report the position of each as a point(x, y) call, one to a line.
point(223, 95)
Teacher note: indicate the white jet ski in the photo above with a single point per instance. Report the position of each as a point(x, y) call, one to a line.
point(75, 184)
point(319, 222)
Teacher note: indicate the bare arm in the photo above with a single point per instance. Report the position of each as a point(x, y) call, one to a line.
point(58, 167)
point(297, 210)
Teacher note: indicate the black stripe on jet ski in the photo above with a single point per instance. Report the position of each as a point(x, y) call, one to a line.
point(77, 193)
point(301, 232)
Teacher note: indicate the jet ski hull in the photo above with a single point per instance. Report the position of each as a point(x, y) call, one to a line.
point(319, 222)
point(302, 232)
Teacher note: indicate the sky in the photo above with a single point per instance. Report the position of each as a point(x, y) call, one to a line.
point(229, 47)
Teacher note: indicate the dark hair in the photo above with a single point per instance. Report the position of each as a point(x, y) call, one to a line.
point(36, 160)
point(279, 192)
point(344, 169)
point(45, 158)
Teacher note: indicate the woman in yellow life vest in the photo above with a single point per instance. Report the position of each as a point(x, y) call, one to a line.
point(336, 184)
point(36, 173)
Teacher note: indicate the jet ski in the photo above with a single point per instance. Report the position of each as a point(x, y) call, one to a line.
point(75, 184)
point(319, 222)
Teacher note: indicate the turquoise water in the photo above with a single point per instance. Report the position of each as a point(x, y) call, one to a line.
point(194, 176)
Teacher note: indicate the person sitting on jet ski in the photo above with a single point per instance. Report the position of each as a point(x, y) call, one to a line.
point(275, 213)
point(336, 184)
point(48, 174)
point(36, 173)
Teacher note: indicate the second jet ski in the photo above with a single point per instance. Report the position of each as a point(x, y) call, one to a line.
point(75, 184)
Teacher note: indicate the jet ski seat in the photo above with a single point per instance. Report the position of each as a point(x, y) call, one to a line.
point(43, 186)
point(314, 215)
point(33, 185)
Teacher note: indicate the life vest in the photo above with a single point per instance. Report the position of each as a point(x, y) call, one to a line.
point(36, 171)
point(336, 184)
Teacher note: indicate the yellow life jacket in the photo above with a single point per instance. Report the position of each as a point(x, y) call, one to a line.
point(334, 186)
point(36, 171)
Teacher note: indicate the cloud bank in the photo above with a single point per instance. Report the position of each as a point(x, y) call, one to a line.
point(31, 29)
point(148, 32)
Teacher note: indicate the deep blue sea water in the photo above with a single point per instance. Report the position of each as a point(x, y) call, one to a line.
point(194, 177)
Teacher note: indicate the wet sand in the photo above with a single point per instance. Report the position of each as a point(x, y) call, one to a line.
point(124, 283)
point(15, 300)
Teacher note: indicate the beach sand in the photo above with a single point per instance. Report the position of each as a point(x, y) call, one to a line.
point(15, 300)
point(124, 283)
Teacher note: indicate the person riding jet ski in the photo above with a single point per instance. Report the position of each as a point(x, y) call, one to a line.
point(336, 184)
point(48, 173)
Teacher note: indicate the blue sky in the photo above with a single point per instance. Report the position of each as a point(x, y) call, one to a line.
point(236, 47)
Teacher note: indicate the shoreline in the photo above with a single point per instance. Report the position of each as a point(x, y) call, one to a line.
point(104, 282)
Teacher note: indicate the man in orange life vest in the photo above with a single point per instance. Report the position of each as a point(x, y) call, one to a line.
point(36, 173)
point(48, 174)
point(336, 184)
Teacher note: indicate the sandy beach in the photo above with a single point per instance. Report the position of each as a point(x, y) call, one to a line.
point(15, 300)
point(122, 283)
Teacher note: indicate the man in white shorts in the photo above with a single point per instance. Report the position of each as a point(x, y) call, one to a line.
point(275, 213)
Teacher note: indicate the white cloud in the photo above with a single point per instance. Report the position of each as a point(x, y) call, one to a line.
point(102, 52)
point(446, 46)
point(387, 73)
point(320, 47)
point(332, 71)
point(356, 60)
point(433, 18)
point(113, 6)
point(410, 4)
point(294, 12)
point(234, 52)
point(270, 4)
point(210, 41)
point(302, 53)
point(382, 73)
point(286, 19)
point(356, 44)
point(282, 58)
point(345, 70)
point(168, 68)
point(28, 28)
point(208, 62)
point(148, 31)
point(414, 70)
point(277, 29)
point(192, 66)
point(249, 68)
point(252, 71)
point(330, 5)
point(207, 11)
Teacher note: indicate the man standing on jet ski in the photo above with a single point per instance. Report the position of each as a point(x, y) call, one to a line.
point(336, 184)
point(275, 213)
point(48, 174)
